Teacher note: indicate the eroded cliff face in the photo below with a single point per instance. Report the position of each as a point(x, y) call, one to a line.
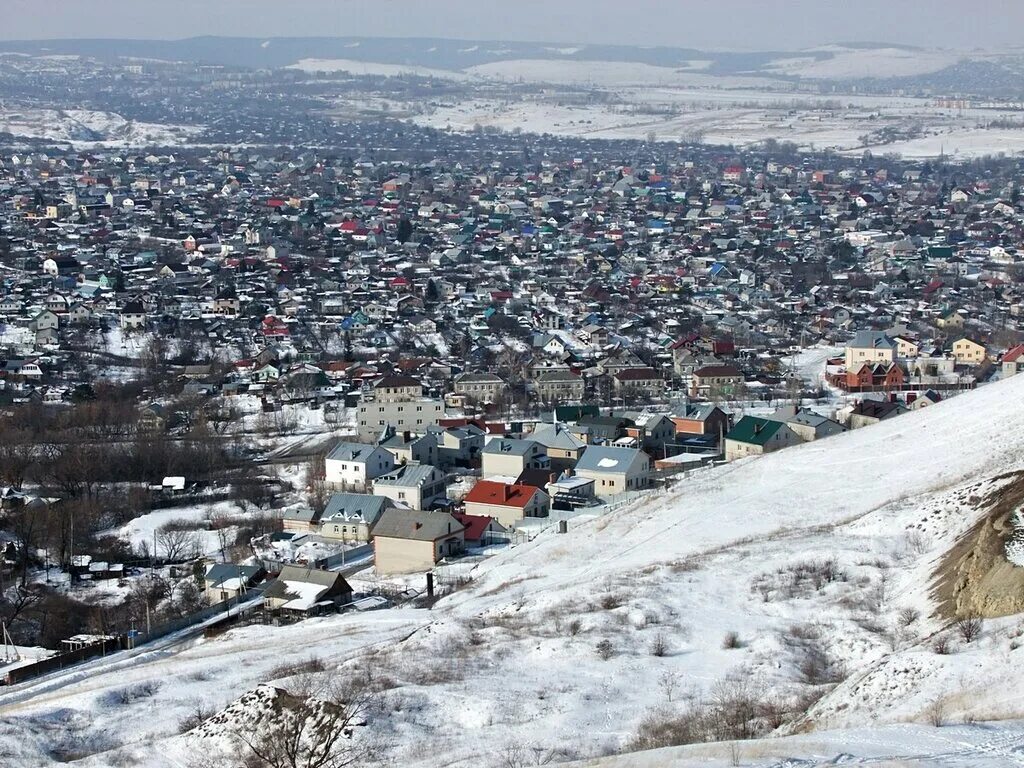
point(975, 578)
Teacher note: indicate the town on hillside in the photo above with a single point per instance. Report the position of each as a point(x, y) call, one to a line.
point(248, 385)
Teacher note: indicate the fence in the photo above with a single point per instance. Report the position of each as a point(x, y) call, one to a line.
point(62, 660)
point(120, 642)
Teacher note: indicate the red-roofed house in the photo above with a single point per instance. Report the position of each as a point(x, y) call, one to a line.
point(508, 504)
point(480, 530)
point(1013, 361)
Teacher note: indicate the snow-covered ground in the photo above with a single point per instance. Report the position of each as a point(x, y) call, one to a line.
point(81, 127)
point(718, 115)
point(827, 548)
point(856, 63)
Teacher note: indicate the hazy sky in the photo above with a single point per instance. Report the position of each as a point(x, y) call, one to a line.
point(740, 24)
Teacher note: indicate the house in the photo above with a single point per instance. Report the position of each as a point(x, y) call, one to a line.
point(560, 385)
point(391, 406)
point(299, 520)
point(352, 466)
point(869, 412)
point(1012, 361)
point(228, 581)
point(406, 541)
point(869, 347)
point(651, 431)
point(133, 316)
point(950, 321)
point(479, 530)
point(309, 591)
point(807, 424)
point(968, 352)
point(153, 418)
point(614, 470)
point(458, 446)
point(408, 448)
point(563, 448)
point(638, 382)
point(924, 400)
point(46, 320)
point(753, 436)
point(508, 457)
point(479, 387)
point(507, 503)
point(351, 516)
point(418, 486)
point(703, 420)
point(715, 381)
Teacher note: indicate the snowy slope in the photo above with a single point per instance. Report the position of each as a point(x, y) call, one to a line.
point(513, 658)
point(83, 127)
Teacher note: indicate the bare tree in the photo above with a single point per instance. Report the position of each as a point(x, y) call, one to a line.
point(313, 726)
point(176, 543)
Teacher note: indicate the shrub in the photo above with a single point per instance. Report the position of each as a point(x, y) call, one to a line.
point(908, 616)
point(195, 718)
point(936, 712)
point(818, 668)
point(731, 641)
point(605, 649)
point(969, 627)
point(942, 645)
point(312, 664)
point(611, 600)
point(131, 693)
point(659, 645)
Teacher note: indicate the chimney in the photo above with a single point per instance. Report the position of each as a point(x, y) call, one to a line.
point(506, 492)
point(406, 436)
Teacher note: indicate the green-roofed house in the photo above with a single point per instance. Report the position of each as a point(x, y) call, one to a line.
point(753, 436)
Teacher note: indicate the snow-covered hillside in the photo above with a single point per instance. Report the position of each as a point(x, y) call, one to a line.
point(802, 580)
point(83, 127)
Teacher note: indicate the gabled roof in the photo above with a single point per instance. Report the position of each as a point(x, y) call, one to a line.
point(407, 476)
point(871, 340)
point(604, 458)
point(475, 525)
point(509, 447)
point(351, 452)
point(754, 430)
point(415, 525)
point(500, 494)
point(355, 507)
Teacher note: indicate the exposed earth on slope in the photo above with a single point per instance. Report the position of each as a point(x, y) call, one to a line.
point(975, 578)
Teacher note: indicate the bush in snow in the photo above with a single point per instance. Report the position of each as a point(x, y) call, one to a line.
point(942, 645)
point(969, 627)
point(605, 649)
point(659, 645)
point(131, 693)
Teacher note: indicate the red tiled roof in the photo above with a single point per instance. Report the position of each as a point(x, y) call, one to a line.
point(488, 492)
